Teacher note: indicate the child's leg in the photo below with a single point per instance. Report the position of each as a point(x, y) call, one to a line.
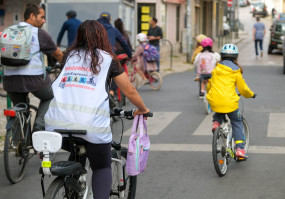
point(237, 127)
point(203, 85)
point(217, 120)
point(218, 117)
point(141, 74)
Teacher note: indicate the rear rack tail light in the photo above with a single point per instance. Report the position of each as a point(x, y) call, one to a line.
point(10, 113)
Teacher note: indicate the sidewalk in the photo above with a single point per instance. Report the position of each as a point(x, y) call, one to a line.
point(178, 65)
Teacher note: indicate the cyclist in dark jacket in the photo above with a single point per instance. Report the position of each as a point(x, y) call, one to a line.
point(114, 34)
point(71, 25)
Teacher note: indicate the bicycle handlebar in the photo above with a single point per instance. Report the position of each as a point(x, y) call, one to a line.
point(127, 114)
point(254, 95)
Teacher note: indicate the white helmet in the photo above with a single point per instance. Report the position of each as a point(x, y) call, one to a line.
point(141, 37)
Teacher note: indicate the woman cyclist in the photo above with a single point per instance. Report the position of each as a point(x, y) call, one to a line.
point(222, 94)
point(205, 62)
point(77, 104)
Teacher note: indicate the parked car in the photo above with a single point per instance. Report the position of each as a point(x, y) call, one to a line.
point(242, 3)
point(252, 2)
point(277, 32)
point(259, 9)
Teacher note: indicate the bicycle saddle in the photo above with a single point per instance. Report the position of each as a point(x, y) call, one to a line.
point(63, 168)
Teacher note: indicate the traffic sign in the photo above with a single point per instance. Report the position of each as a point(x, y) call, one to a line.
point(230, 3)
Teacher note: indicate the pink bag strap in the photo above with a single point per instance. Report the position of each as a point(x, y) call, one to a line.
point(142, 124)
point(135, 124)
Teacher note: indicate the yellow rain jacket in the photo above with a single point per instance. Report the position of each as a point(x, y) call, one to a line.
point(221, 89)
point(196, 52)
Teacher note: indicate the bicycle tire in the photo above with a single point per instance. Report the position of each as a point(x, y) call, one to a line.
point(130, 181)
point(122, 102)
point(155, 80)
point(246, 135)
point(207, 104)
point(56, 189)
point(219, 152)
point(13, 149)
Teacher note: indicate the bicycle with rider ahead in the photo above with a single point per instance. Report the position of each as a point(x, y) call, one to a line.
point(223, 98)
point(147, 56)
point(71, 181)
point(86, 106)
point(204, 63)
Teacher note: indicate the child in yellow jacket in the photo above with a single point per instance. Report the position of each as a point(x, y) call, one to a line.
point(198, 50)
point(222, 94)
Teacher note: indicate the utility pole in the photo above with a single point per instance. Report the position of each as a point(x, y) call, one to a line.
point(189, 35)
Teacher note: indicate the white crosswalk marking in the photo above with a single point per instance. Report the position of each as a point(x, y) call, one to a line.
point(205, 126)
point(276, 126)
point(159, 121)
point(208, 148)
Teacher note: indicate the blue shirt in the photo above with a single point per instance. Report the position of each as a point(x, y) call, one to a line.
point(71, 26)
point(259, 30)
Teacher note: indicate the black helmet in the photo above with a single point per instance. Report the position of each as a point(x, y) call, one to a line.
point(71, 13)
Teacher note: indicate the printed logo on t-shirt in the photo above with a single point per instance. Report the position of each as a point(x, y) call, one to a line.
point(74, 78)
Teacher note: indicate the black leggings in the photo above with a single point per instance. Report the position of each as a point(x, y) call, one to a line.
point(99, 156)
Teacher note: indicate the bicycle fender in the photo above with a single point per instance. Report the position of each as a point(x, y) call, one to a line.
point(10, 122)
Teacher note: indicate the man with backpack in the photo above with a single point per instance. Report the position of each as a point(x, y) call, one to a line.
point(154, 34)
point(22, 46)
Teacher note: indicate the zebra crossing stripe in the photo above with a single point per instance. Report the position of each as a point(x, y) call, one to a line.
point(158, 123)
point(276, 125)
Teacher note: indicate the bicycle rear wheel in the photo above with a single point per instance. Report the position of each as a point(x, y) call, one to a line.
point(155, 80)
point(56, 189)
point(219, 152)
point(15, 157)
point(207, 105)
point(246, 135)
point(130, 182)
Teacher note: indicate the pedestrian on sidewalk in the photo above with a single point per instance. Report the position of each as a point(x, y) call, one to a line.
point(154, 34)
point(258, 35)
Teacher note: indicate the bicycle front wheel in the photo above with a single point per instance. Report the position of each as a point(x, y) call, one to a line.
point(155, 80)
point(246, 135)
point(130, 182)
point(56, 189)
point(15, 157)
point(219, 152)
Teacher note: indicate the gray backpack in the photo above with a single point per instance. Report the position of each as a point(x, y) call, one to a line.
point(16, 45)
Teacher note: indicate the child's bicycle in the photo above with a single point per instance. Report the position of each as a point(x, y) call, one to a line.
point(206, 103)
point(223, 145)
point(71, 181)
point(154, 78)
